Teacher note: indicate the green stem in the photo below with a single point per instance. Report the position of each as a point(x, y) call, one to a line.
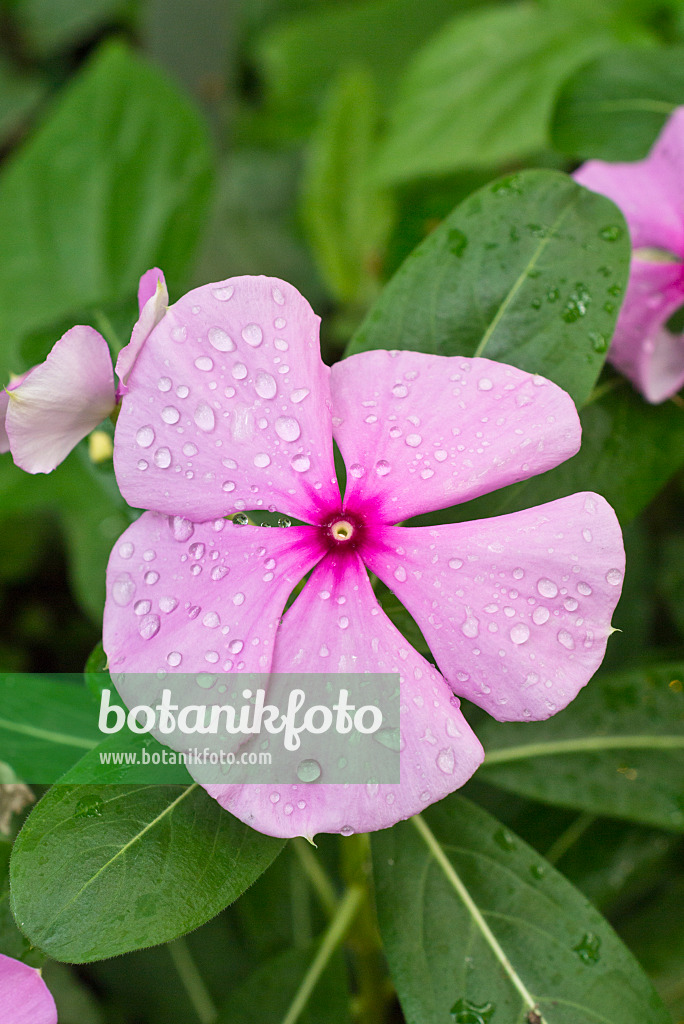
point(320, 882)
point(569, 837)
point(582, 744)
point(335, 933)
point(193, 982)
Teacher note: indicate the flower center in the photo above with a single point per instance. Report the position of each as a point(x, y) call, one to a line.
point(342, 530)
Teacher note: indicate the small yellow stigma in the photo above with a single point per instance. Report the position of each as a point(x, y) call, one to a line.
point(100, 447)
point(342, 530)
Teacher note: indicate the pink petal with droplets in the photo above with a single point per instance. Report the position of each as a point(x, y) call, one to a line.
point(515, 609)
point(200, 597)
point(439, 751)
point(24, 996)
point(649, 192)
point(421, 432)
point(643, 349)
point(153, 301)
point(60, 400)
point(228, 407)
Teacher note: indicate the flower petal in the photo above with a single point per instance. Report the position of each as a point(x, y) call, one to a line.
point(4, 439)
point(228, 407)
point(153, 301)
point(649, 192)
point(515, 609)
point(60, 400)
point(26, 998)
point(420, 432)
point(199, 597)
point(439, 752)
point(642, 348)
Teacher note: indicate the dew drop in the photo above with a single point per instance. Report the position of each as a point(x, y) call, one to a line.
point(174, 658)
point(182, 529)
point(164, 384)
point(235, 646)
point(219, 340)
point(142, 607)
point(382, 467)
point(308, 770)
point(357, 471)
point(253, 335)
point(299, 395)
point(565, 639)
point(484, 384)
point(149, 626)
point(455, 563)
point(126, 549)
point(400, 391)
point(204, 363)
point(540, 615)
point(145, 437)
point(168, 604)
point(262, 460)
point(189, 449)
point(265, 385)
point(300, 463)
point(204, 417)
point(520, 633)
point(211, 620)
point(400, 574)
point(614, 577)
point(162, 458)
point(223, 293)
point(123, 590)
point(446, 761)
point(170, 415)
point(287, 428)
point(547, 588)
point(413, 440)
point(584, 589)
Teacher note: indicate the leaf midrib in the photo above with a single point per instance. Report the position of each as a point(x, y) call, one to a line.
point(582, 744)
point(122, 850)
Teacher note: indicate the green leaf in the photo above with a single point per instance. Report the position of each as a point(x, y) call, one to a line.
point(618, 750)
point(46, 725)
point(655, 933)
point(20, 94)
point(298, 58)
point(50, 25)
point(527, 271)
point(267, 994)
point(102, 870)
point(475, 924)
point(614, 107)
point(481, 91)
point(115, 181)
point(348, 219)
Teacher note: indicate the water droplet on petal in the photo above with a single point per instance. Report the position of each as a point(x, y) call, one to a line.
point(299, 395)
point(204, 417)
point(142, 607)
point(300, 463)
point(145, 437)
point(262, 460)
point(123, 589)
point(168, 604)
point(413, 440)
point(182, 529)
point(287, 428)
point(162, 458)
point(455, 563)
point(126, 549)
point(164, 384)
point(540, 615)
point(204, 363)
point(265, 385)
point(566, 639)
point(484, 384)
point(253, 335)
point(174, 658)
point(400, 574)
point(520, 633)
point(149, 626)
point(382, 467)
point(219, 340)
point(614, 577)
point(547, 588)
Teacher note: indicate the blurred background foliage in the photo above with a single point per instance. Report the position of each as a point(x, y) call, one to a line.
point(319, 141)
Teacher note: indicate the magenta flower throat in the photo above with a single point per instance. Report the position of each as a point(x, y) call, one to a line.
point(229, 408)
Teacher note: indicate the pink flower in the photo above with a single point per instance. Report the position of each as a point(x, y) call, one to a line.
point(24, 996)
point(46, 411)
point(650, 194)
point(230, 408)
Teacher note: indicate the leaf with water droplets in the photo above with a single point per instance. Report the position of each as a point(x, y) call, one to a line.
point(133, 867)
point(472, 933)
point(535, 301)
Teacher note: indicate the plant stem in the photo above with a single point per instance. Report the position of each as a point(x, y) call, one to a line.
point(193, 982)
point(336, 931)
point(320, 882)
